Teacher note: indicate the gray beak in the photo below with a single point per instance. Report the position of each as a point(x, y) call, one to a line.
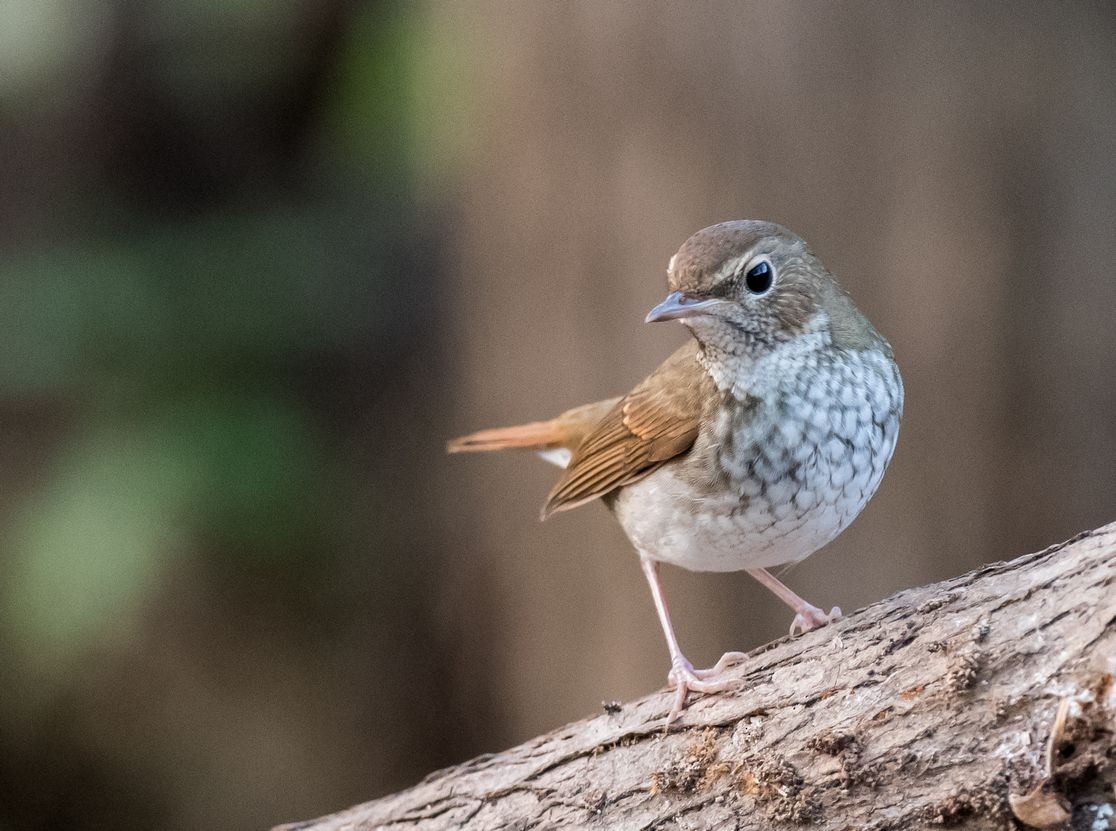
point(677, 306)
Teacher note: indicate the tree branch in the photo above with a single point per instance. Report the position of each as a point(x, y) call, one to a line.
point(928, 708)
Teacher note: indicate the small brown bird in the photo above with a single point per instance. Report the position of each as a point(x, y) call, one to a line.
point(753, 445)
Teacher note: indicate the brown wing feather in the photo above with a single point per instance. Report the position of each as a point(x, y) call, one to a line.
point(652, 424)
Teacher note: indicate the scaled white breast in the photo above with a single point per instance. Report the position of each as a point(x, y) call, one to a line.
point(800, 467)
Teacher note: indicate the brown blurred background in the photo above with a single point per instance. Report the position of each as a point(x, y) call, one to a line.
point(258, 260)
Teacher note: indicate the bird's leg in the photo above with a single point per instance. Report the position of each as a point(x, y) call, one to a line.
point(806, 616)
point(682, 676)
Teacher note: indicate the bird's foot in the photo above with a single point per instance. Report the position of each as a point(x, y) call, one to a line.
point(685, 679)
point(811, 617)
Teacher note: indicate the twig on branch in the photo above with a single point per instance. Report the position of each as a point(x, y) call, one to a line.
point(926, 709)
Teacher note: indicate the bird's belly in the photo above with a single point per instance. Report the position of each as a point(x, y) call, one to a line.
point(765, 517)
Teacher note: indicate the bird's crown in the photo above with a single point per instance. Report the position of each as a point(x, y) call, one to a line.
point(721, 251)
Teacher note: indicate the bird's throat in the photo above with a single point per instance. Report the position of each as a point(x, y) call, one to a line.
point(757, 372)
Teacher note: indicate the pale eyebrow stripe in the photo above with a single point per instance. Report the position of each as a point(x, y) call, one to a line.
point(732, 266)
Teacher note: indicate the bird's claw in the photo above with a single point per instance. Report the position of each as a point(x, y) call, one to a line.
point(685, 679)
point(811, 618)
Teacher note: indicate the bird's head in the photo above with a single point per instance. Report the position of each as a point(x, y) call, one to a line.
point(746, 286)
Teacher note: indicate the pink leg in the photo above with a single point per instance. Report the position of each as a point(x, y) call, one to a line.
point(806, 616)
point(682, 676)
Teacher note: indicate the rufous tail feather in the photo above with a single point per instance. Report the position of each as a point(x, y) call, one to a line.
point(538, 435)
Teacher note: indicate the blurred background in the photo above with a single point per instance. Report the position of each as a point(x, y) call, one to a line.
point(259, 259)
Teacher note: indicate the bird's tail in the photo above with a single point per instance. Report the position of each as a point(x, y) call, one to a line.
point(538, 435)
point(565, 432)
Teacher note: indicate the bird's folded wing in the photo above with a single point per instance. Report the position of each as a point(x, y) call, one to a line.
point(652, 424)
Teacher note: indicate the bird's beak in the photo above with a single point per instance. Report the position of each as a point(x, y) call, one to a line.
point(677, 306)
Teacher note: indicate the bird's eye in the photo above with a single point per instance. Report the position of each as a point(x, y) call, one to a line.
point(759, 277)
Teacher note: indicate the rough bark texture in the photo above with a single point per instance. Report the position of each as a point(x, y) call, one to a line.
point(926, 709)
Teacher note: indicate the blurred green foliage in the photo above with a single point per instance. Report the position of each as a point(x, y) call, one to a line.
point(213, 250)
point(175, 351)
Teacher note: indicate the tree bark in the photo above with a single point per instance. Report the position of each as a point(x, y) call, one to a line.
point(930, 708)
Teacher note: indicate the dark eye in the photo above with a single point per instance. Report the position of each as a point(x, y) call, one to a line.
point(758, 279)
